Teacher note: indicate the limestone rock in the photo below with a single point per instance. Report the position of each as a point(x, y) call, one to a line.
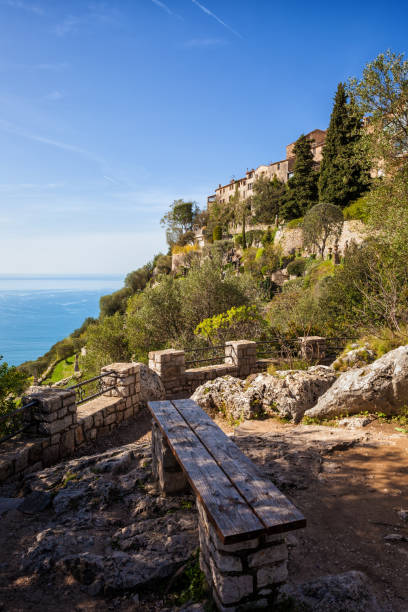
point(381, 386)
point(348, 592)
point(287, 394)
point(151, 386)
point(357, 357)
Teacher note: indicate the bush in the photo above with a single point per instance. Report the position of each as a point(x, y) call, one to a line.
point(297, 267)
point(357, 210)
point(217, 233)
point(268, 236)
point(294, 223)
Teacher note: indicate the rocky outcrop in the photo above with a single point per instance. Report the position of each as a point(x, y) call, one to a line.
point(287, 394)
point(151, 386)
point(348, 592)
point(84, 537)
point(379, 387)
point(357, 357)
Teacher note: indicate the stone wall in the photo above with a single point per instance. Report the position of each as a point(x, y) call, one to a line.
point(240, 360)
point(58, 426)
point(291, 240)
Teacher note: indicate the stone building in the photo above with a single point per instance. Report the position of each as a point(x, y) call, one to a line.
point(282, 170)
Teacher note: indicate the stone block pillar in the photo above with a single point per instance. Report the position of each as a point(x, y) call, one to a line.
point(165, 467)
point(126, 380)
point(312, 347)
point(170, 365)
point(242, 354)
point(243, 576)
point(55, 417)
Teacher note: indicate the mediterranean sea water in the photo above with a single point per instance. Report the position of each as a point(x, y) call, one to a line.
point(37, 311)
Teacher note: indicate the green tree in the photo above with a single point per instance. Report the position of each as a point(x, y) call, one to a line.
point(302, 191)
point(138, 279)
point(382, 95)
point(179, 220)
point(106, 342)
point(114, 302)
point(343, 174)
point(268, 198)
point(320, 223)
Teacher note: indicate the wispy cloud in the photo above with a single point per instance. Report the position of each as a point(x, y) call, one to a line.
point(99, 13)
point(11, 128)
point(205, 42)
point(166, 9)
point(214, 16)
point(54, 96)
point(68, 26)
point(25, 6)
point(163, 6)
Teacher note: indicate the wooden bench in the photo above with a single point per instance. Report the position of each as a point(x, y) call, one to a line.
point(242, 516)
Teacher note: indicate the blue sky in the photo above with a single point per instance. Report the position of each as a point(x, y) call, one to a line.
point(110, 110)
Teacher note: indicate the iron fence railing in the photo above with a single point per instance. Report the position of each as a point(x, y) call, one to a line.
point(91, 388)
point(291, 348)
point(17, 421)
point(208, 354)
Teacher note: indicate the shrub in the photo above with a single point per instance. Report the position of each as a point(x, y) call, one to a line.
point(217, 233)
point(294, 223)
point(268, 236)
point(357, 210)
point(297, 267)
point(187, 248)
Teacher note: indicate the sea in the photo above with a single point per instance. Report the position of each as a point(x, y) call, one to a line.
point(37, 311)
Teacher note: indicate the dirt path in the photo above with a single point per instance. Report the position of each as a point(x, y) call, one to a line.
point(351, 499)
point(350, 484)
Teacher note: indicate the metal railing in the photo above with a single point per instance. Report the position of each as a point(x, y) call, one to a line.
point(291, 348)
point(91, 388)
point(16, 421)
point(208, 354)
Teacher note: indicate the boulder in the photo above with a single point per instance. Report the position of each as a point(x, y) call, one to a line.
point(348, 592)
point(381, 386)
point(151, 386)
point(286, 394)
point(357, 357)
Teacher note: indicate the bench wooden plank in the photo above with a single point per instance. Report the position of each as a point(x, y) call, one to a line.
point(230, 514)
point(273, 508)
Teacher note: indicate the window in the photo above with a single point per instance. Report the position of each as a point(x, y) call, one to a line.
point(278, 166)
point(249, 185)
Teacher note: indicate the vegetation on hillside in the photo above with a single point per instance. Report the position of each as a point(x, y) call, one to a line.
point(226, 289)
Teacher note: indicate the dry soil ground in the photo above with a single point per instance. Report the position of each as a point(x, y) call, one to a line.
point(350, 485)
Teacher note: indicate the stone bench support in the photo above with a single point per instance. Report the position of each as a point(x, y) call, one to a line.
point(165, 468)
point(243, 576)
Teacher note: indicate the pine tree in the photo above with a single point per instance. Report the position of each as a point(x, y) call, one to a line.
point(302, 191)
point(343, 174)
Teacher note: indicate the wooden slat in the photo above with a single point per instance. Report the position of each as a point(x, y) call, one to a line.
point(230, 514)
point(273, 508)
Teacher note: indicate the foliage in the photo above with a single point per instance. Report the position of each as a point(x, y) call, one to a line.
point(382, 95)
point(357, 210)
point(138, 279)
point(179, 219)
point(294, 312)
point(343, 174)
point(217, 233)
point(62, 369)
point(12, 384)
point(235, 324)
point(106, 342)
point(114, 302)
point(168, 313)
point(190, 585)
point(294, 223)
point(188, 248)
point(302, 191)
point(297, 267)
point(267, 201)
point(268, 236)
point(162, 264)
point(322, 222)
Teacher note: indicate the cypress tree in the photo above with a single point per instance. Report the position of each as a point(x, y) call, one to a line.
point(343, 174)
point(302, 191)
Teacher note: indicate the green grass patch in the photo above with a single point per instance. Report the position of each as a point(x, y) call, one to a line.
point(62, 369)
